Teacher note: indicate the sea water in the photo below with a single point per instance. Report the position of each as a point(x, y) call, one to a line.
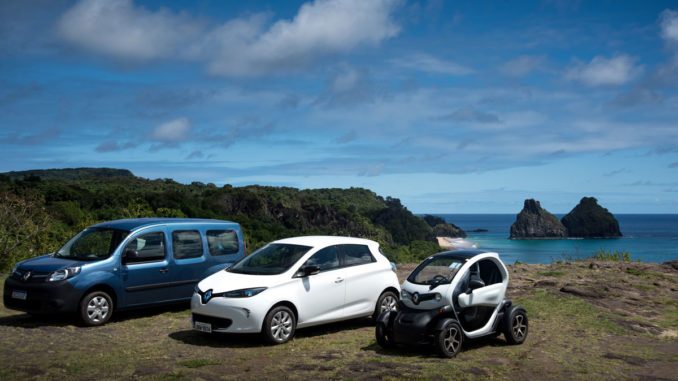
point(647, 237)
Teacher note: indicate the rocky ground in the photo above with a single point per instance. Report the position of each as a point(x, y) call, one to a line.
point(588, 320)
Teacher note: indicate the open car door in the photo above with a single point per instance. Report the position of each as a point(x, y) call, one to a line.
point(480, 293)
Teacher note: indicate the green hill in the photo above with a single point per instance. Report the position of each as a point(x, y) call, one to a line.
point(41, 209)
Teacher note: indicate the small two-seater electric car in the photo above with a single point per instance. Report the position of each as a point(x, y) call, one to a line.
point(450, 297)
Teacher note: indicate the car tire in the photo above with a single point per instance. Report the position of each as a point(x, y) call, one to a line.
point(382, 335)
point(387, 301)
point(450, 339)
point(279, 325)
point(515, 325)
point(96, 308)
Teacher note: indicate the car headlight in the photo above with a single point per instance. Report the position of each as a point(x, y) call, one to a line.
point(243, 293)
point(62, 274)
point(196, 289)
point(14, 268)
point(405, 295)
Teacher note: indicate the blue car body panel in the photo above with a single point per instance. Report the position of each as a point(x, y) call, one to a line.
point(162, 280)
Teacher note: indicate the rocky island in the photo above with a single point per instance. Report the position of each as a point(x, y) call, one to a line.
point(586, 220)
point(590, 220)
point(534, 222)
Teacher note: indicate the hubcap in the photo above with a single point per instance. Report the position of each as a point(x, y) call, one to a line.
point(97, 309)
point(281, 325)
point(452, 340)
point(519, 326)
point(388, 303)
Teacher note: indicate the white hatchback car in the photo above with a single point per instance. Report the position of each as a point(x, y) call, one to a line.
point(294, 283)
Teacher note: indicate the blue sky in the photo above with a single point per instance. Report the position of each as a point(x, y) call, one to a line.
point(451, 106)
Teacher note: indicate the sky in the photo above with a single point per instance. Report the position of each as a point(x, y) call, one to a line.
point(450, 106)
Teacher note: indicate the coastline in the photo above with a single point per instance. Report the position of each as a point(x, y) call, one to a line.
point(449, 243)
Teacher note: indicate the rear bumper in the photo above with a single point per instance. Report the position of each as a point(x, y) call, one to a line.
point(42, 297)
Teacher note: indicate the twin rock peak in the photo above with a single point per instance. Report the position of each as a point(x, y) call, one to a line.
point(586, 220)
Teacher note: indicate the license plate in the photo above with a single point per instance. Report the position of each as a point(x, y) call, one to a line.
point(202, 327)
point(16, 294)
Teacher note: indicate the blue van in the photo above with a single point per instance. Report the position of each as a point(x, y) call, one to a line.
point(124, 264)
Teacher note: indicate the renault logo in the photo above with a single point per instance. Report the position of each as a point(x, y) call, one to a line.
point(206, 296)
point(415, 298)
point(26, 275)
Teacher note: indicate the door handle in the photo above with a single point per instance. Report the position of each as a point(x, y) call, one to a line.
point(164, 270)
point(338, 280)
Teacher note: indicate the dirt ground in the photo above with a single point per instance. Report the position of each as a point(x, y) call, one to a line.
point(588, 320)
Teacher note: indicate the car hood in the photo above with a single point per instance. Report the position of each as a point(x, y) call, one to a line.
point(223, 281)
point(47, 264)
point(421, 289)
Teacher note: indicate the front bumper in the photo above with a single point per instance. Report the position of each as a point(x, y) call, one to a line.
point(236, 315)
point(41, 296)
point(415, 327)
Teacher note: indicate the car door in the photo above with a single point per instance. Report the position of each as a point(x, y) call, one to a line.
point(363, 283)
point(145, 269)
point(187, 263)
point(478, 305)
point(321, 295)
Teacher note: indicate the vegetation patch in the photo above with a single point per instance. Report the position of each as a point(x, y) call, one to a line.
point(197, 363)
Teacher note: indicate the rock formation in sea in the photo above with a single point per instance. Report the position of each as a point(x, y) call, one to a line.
point(590, 220)
point(442, 228)
point(448, 230)
point(533, 222)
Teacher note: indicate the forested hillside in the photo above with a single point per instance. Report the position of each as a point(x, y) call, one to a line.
point(40, 210)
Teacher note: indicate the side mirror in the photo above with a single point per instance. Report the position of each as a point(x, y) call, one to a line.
point(475, 283)
point(309, 270)
point(129, 255)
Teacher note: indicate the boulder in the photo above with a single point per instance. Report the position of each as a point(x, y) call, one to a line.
point(533, 222)
point(590, 220)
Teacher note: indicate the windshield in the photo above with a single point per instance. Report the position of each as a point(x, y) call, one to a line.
point(272, 259)
point(436, 270)
point(92, 244)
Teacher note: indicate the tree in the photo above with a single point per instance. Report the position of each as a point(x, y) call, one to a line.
point(22, 221)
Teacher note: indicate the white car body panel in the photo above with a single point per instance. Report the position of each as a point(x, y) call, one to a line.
point(325, 297)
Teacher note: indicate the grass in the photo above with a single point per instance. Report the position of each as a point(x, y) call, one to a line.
point(197, 363)
point(568, 339)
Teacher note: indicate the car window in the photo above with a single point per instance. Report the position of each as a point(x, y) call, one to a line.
point(439, 270)
point(146, 248)
point(326, 259)
point(356, 254)
point(489, 272)
point(272, 259)
point(186, 244)
point(221, 242)
point(92, 244)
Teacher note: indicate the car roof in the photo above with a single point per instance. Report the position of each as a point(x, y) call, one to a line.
point(463, 254)
point(318, 240)
point(136, 223)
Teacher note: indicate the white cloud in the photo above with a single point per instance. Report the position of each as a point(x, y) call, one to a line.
point(319, 28)
point(430, 64)
point(125, 32)
point(602, 71)
point(522, 66)
point(174, 131)
point(669, 25)
point(239, 47)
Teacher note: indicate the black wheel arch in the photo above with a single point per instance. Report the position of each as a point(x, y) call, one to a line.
point(104, 288)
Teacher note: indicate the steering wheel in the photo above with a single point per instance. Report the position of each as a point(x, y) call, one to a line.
point(439, 278)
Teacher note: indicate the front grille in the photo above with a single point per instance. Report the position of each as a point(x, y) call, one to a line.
point(35, 277)
point(217, 323)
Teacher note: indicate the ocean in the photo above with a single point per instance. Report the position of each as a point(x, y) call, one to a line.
point(648, 237)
